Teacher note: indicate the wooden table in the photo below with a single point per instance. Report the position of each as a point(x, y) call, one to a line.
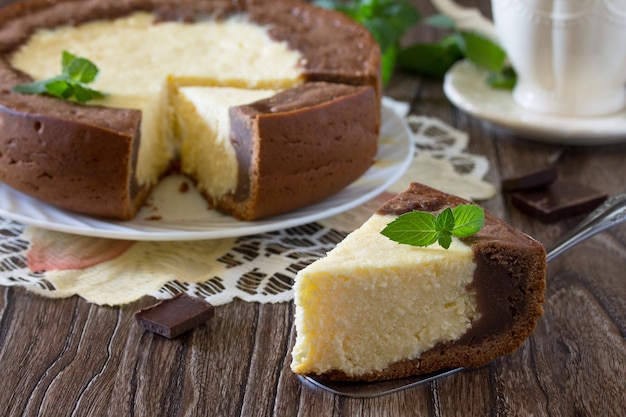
point(67, 357)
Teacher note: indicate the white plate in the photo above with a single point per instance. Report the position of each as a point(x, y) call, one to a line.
point(184, 216)
point(465, 87)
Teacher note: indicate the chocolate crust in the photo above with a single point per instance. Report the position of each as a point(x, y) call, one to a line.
point(338, 44)
point(36, 151)
point(116, 130)
point(509, 282)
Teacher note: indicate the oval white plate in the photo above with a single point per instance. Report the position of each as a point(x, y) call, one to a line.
point(185, 216)
point(465, 87)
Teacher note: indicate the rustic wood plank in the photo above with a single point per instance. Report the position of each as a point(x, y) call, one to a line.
point(468, 393)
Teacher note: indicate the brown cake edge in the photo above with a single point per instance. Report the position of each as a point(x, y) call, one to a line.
point(278, 174)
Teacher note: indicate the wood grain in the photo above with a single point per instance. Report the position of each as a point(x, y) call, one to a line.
point(69, 358)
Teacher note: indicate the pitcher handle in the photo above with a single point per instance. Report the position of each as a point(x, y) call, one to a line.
point(467, 18)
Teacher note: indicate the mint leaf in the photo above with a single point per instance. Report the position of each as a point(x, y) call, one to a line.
point(76, 73)
point(490, 56)
point(82, 70)
point(416, 228)
point(444, 225)
point(388, 63)
point(445, 220)
point(37, 87)
point(399, 16)
point(504, 79)
point(419, 228)
point(60, 88)
point(84, 94)
point(481, 51)
point(468, 220)
point(385, 35)
point(430, 59)
point(66, 61)
point(444, 238)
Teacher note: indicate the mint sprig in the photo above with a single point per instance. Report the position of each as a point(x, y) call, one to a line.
point(386, 20)
point(419, 228)
point(76, 73)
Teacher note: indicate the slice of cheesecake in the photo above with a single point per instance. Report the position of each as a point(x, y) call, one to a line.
point(374, 309)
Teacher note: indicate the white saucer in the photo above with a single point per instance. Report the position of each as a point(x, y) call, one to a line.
point(465, 87)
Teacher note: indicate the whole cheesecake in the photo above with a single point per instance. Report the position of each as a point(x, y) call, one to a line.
point(300, 122)
point(374, 309)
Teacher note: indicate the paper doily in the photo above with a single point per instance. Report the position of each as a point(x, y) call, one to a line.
point(257, 268)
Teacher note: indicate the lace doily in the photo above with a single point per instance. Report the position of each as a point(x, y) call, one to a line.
point(257, 268)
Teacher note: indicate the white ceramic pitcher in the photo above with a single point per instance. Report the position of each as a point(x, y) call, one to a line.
point(569, 55)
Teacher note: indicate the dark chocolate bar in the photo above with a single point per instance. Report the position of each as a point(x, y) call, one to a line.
point(531, 180)
point(563, 198)
point(174, 316)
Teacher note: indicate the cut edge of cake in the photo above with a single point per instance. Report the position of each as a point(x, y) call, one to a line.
point(203, 131)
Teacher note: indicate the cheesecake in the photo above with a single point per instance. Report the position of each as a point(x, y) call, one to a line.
point(375, 309)
point(166, 68)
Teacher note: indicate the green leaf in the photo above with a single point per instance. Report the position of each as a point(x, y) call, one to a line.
point(388, 21)
point(468, 220)
point(419, 228)
point(445, 220)
point(400, 15)
point(504, 79)
point(76, 73)
point(444, 224)
point(444, 238)
point(481, 51)
point(60, 88)
point(385, 35)
point(84, 94)
point(82, 70)
point(66, 60)
point(432, 60)
point(388, 63)
point(415, 228)
point(38, 87)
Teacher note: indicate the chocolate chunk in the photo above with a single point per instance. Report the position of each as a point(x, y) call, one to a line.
point(172, 317)
point(531, 180)
point(563, 198)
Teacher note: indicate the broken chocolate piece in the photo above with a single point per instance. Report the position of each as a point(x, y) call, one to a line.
point(563, 198)
point(172, 317)
point(531, 180)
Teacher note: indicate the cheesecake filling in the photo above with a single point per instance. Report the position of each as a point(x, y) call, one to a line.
point(203, 129)
point(358, 315)
point(142, 63)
